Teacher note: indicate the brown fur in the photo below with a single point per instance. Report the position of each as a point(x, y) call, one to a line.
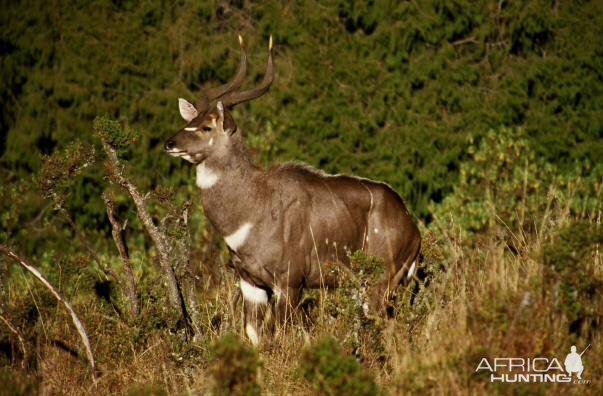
point(300, 217)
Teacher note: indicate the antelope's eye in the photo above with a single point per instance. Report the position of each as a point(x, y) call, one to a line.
point(206, 129)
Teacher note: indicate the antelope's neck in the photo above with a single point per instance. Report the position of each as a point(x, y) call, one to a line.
point(230, 194)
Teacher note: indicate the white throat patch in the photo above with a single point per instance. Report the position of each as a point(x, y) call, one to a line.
point(237, 238)
point(206, 177)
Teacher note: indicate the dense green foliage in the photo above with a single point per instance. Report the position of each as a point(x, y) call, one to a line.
point(503, 180)
point(384, 89)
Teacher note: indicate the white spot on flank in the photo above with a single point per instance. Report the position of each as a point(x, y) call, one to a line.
point(376, 230)
point(237, 238)
point(253, 294)
point(327, 241)
point(252, 334)
point(192, 129)
point(411, 270)
point(205, 176)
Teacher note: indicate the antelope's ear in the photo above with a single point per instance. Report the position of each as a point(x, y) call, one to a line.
point(187, 110)
point(225, 120)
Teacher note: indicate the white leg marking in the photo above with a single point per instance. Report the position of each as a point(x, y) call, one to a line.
point(252, 334)
point(206, 177)
point(253, 294)
point(411, 270)
point(237, 238)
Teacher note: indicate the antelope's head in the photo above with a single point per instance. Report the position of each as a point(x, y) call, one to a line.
point(210, 128)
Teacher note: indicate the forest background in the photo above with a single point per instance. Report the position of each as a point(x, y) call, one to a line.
point(485, 116)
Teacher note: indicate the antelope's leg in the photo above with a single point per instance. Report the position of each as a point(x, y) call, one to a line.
point(255, 302)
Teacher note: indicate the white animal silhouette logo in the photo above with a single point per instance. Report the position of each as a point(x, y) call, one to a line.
point(573, 362)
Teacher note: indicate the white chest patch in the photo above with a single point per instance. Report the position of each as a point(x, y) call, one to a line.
point(206, 177)
point(237, 238)
point(253, 294)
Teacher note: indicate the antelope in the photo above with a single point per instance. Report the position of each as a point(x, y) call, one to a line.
point(283, 222)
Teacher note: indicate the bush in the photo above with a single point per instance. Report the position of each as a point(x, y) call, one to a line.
point(331, 372)
point(504, 183)
point(234, 367)
point(570, 275)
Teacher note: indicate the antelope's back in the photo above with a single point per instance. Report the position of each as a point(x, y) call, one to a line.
point(343, 212)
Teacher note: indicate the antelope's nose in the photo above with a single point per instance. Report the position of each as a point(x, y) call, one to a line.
point(169, 145)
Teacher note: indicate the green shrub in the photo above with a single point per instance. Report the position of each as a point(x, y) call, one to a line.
point(16, 385)
point(234, 367)
point(113, 133)
point(570, 274)
point(502, 177)
point(331, 372)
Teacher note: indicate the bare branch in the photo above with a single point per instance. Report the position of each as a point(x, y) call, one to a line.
point(469, 40)
point(19, 335)
point(76, 321)
point(117, 170)
point(129, 288)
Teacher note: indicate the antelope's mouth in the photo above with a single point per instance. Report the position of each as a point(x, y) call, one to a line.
point(176, 153)
point(193, 158)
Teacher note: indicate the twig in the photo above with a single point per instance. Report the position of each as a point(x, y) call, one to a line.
point(129, 288)
point(76, 321)
point(19, 335)
point(469, 40)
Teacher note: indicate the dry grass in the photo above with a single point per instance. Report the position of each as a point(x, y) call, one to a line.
point(495, 295)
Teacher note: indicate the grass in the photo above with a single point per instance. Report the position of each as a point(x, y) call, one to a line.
point(529, 290)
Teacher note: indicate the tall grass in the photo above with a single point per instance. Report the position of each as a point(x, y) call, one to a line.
point(520, 276)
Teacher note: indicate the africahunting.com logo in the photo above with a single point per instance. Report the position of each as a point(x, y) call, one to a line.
point(537, 369)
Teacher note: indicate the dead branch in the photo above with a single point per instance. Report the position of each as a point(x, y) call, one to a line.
point(76, 321)
point(180, 250)
point(468, 40)
point(20, 337)
point(129, 288)
point(159, 240)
